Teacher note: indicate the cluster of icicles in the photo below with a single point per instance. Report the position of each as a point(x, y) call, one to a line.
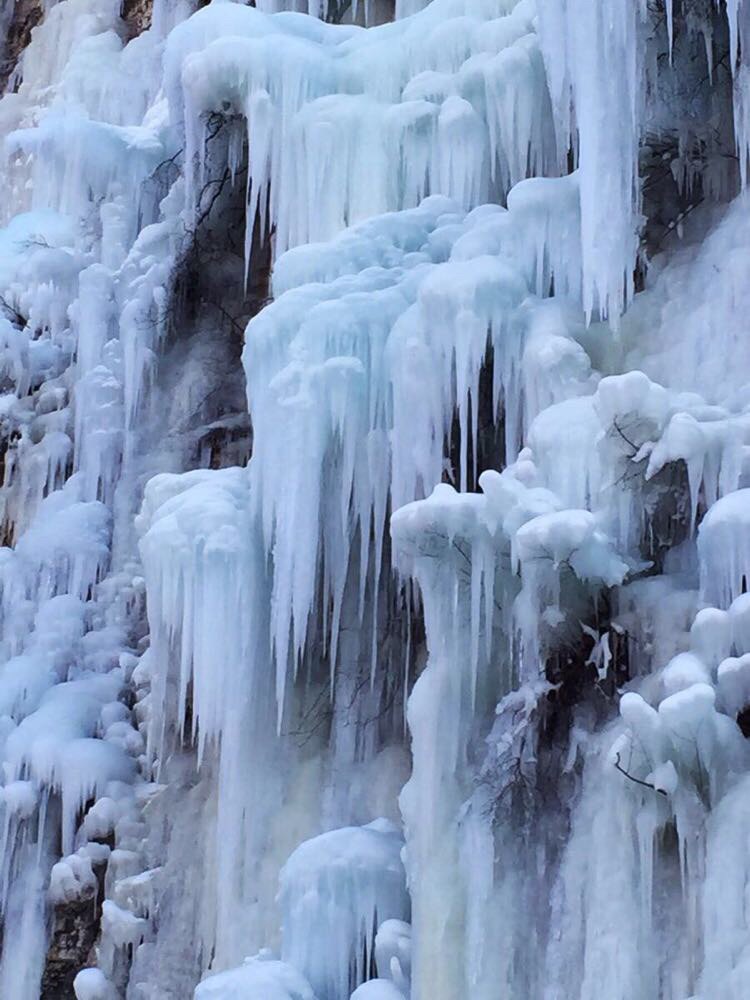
point(414, 179)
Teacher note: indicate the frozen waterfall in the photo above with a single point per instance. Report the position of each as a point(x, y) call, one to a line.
point(375, 500)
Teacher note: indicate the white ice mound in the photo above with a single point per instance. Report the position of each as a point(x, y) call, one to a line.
point(335, 889)
point(724, 549)
point(572, 537)
point(377, 989)
point(92, 984)
point(393, 952)
point(259, 978)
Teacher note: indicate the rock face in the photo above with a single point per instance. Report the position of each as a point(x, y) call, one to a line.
point(137, 16)
point(75, 929)
point(24, 17)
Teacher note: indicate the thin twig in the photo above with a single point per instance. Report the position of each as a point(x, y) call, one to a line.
point(646, 784)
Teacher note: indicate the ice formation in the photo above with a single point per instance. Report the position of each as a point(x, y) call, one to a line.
point(375, 501)
point(334, 889)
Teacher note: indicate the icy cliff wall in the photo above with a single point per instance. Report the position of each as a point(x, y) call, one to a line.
point(375, 501)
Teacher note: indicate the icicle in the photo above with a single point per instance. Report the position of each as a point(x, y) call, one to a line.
point(669, 10)
point(594, 57)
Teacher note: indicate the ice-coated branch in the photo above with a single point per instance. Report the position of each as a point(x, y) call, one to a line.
point(632, 777)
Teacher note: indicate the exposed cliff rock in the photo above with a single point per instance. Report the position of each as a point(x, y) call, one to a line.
point(75, 929)
point(137, 16)
point(21, 18)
